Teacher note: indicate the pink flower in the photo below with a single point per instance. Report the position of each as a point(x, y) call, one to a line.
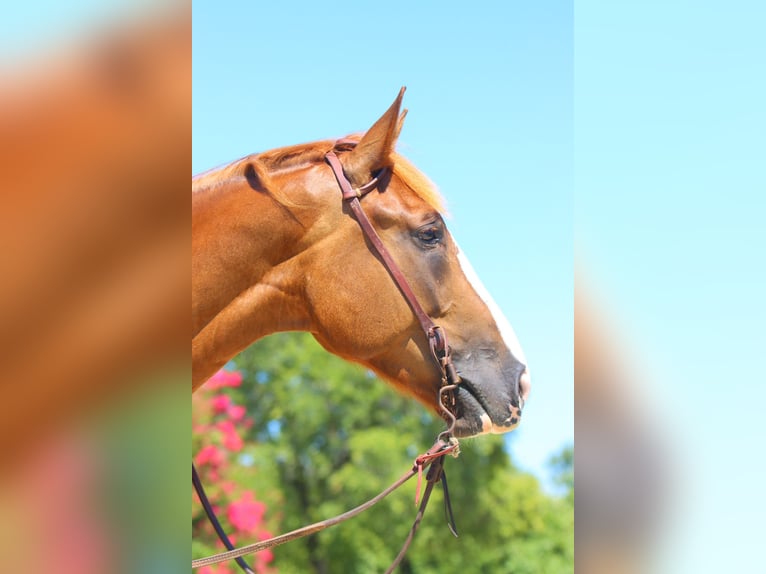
point(221, 403)
point(231, 439)
point(224, 379)
point(210, 455)
point(246, 514)
point(227, 486)
point(264, 557)
point(236, 412)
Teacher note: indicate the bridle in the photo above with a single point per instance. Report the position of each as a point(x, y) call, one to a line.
point(445, 443)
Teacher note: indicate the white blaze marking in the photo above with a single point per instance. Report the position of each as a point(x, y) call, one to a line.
point(506, 331)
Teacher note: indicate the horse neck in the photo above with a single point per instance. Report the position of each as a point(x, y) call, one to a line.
point(244, 285)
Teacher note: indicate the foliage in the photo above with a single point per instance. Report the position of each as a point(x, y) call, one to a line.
point(563, 468)
point(326, 435)
point(218, 424)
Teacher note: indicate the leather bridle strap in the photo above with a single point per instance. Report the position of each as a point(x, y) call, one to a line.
point(211, 516)
point(435, 474)
point(352, 198)
point(437, 338)
point(434, 456)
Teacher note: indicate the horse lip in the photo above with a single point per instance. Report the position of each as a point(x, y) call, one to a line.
point(473, 414)
point(471, 390)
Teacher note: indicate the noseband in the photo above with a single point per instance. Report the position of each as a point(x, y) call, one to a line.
point(445, 443)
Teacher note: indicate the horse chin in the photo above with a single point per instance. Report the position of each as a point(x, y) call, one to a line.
point(473, 418)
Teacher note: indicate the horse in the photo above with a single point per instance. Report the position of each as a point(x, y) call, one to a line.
point(275, 248)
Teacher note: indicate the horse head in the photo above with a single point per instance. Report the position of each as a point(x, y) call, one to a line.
point(308, 266)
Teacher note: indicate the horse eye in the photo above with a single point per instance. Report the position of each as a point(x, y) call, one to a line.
point(430, 235)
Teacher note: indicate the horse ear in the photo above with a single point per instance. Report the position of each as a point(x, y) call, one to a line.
point(400, 124)
point(373, 151)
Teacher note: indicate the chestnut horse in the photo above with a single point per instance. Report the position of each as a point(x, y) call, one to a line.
point(274, 248)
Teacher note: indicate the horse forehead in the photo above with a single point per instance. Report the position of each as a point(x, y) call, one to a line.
point(399, 197)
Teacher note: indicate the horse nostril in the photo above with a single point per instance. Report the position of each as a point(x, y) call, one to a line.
point(525, 384)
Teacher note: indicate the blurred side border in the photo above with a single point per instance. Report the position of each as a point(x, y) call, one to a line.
point(95, 140)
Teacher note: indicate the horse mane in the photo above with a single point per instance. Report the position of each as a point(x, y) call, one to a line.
point(260, 165)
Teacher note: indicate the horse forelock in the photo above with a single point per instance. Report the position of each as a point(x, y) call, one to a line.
point(295, 157)
point(418, 183)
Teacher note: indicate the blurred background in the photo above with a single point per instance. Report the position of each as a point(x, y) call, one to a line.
point(669, 225)
point(95, 141)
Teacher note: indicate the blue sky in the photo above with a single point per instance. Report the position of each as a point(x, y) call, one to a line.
point(490, 97)
point(669, 216)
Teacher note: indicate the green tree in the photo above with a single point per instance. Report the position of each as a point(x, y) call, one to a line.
point(563, 469)
point(327, 435)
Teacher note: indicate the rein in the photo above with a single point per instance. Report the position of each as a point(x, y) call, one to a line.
point(432, 459)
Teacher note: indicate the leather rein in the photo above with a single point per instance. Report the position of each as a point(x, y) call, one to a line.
point(445, 443)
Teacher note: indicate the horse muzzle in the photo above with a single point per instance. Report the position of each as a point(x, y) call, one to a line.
point(479, 411)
